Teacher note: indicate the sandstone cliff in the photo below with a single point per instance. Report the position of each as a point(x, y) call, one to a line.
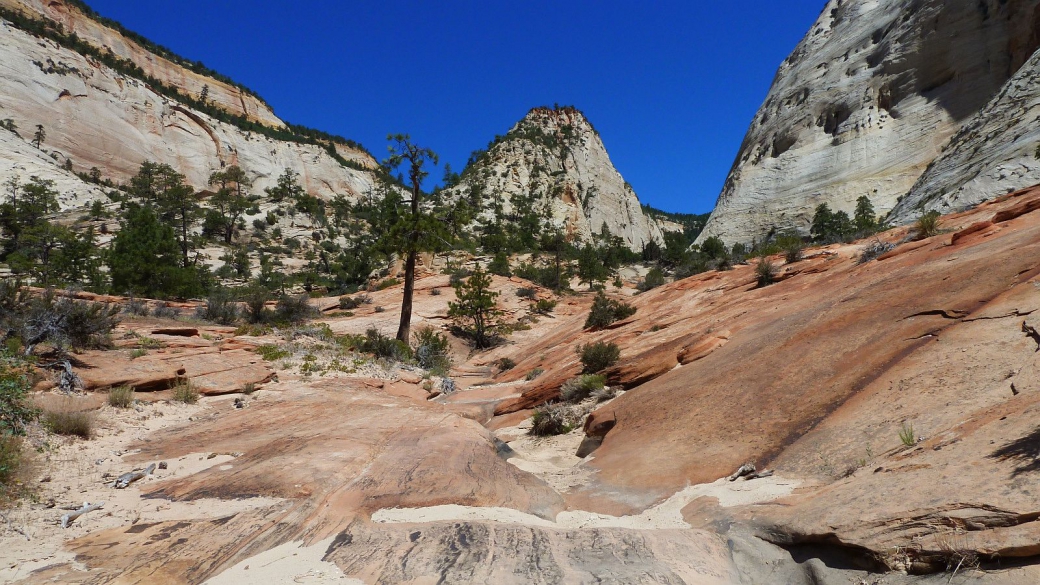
point(864, 104)
point(234, 99)
point(557, 156)
point(992, 154)
point(97, 116)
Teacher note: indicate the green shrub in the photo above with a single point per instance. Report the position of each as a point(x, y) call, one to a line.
point(384, 346)
point(435, 292)
point(294, 309)
point(347, 303)
point(534, 374)
point(927, 225)
point(121, 397)
point(794, 252)
point(543, 306)
point(138, 353)
point(165, 312)
point(16, 411)
point(458, 276)
point(765, 272)
point(653, 279)
point(598, 356)
point(578, 389)
point(500, 265)
point(505, 364)
point(387, 284)
point(249, 388)
point(62, 322)
point(69, 423)
point(527, 292)
point(255, 299)
point(432, 350)
point(186, 392)
point(550, 420)
point(219, 308)
point(271, 353)
point(606, 311)
point(907, 435)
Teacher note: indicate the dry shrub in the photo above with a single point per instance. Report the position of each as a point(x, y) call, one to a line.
point(121, 397)
point(69, 423)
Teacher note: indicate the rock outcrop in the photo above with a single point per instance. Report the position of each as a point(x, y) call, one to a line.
point(864, 104)
point(95, 116)
point(556, 156)
point(994, 153)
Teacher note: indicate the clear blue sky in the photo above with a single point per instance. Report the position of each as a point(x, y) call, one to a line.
point(670, 85)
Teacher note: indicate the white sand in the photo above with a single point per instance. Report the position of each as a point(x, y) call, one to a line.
point(30, 537)
point(664, 516)
point(289, 563)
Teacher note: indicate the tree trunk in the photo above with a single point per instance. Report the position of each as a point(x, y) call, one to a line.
point(404, 330)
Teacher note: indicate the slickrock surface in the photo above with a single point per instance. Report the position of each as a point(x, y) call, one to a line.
point(366, 475)
point(865, 103)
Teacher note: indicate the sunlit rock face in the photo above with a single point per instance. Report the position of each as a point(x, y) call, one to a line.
point(993, 153)
point(865, 103)
point(557, 156)
point(97, 117)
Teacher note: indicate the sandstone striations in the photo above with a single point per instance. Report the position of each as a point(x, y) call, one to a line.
point(95, 116)
point(863, 105)
point(993, 153)
point(555, 160)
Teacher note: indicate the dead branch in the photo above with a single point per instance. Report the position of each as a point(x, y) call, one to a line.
point(130, 477)
point(71, 516)
point(760, 474)
point(746, 469)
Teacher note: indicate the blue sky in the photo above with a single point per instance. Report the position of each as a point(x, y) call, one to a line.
point(671, 86)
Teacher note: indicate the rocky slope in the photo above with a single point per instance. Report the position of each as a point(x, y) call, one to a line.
point(96, 116)
point(865, 102)
point(895, 400)
point(993, 153)
point(556, 156)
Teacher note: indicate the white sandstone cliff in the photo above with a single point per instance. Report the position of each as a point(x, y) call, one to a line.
point(98, 117)
point(556, 155)
point(864, 103)
point(992, 154)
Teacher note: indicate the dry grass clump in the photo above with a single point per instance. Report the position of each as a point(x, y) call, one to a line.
point(69, 423)
point(186, 392)
point(121, 397)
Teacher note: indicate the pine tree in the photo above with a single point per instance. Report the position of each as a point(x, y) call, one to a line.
point(145, 258)
point(475, 312)
point(39, 136)
point(230, 202)
point(415, 231)
point(865, 217)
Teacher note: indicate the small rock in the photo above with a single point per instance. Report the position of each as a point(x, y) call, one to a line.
point(211, 456)
point(163, 465)
point(46, 479)
point(240, 403)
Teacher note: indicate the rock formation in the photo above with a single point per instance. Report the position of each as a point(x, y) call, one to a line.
point(993, 153)
point(865, 103)
point(556, 156)
point(96, 116)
